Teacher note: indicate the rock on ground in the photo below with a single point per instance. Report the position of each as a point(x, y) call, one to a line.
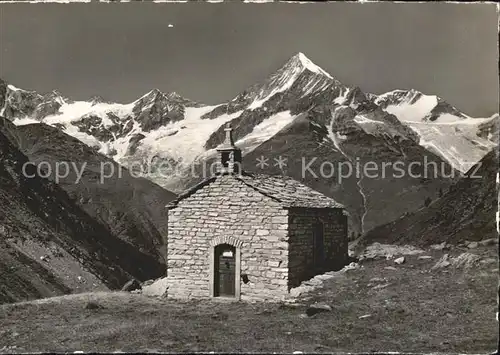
point(317, 308)
point(156, 289)
point(440, 246)
point(387, 251)
point(475, 244)
point(491, 241)
point(147, 283)
point(131, 285)
point(472, 245)
point(423, 257)
point(317, 281)
point(489, 261)
point(443, 262)
point(400, 260)
point(93, 305)
point(465, 260)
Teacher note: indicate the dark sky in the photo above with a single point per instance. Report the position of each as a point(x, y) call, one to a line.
point(213, 51)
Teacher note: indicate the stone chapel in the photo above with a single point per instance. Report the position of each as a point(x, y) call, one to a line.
point(250, 236)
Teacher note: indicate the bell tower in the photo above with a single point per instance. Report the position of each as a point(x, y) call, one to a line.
point(230, 155)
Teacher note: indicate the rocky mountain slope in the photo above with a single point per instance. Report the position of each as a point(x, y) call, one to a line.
point(330, 149)
point(50, 245)
point(466, 212)
point(131, 208)
point(166, 137)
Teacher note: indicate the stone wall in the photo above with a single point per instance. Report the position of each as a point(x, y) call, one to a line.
point(301, 227)
point(228, 207)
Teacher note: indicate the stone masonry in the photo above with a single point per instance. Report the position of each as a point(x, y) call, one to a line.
point(228, 208)
point(301, 226)
point(275, 242)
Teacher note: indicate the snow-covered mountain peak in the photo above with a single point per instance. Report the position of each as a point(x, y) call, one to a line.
point(400, 96)
point(301, 64)
point(308, 64)
point(173, 95)
point(13, 88)
point(414, 106)
point(152, 94)
point(57, 97)
point(97, 99)
point(299, 74)
point(157, 96)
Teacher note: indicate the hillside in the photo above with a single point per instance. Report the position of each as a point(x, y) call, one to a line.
point(51, 246)
point(378, 306)
point(466, 212)
point(131, 208)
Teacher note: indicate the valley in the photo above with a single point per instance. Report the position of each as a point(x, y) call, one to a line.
point(94, 232)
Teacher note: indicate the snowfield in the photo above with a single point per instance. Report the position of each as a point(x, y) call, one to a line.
point(265, 130)
point(457, 142)
point(182, 140)
point(453, 138)
point(409, 112)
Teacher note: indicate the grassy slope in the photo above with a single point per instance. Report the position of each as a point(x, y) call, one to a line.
point(23, 278)
point(38, 219)
point(421, 310)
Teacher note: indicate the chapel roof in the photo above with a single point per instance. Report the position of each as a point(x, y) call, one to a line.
point(287, 191)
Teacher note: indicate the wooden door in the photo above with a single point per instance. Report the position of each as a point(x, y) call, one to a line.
point(225, 270)
point(318, 245)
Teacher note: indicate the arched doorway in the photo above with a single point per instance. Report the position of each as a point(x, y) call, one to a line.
point(225, 271)
point(224, 248)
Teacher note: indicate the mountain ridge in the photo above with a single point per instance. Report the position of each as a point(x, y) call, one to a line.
point(164, 134)
point(297, 60)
